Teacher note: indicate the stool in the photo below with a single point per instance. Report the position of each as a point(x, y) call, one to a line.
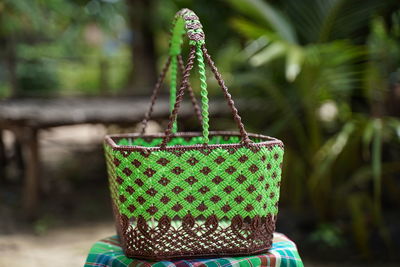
point(108, 252)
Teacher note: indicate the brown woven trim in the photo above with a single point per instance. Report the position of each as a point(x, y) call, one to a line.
point(139, 241)
point(118, 225)
point(269, 141)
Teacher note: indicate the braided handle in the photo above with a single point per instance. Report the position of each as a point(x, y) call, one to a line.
point(186, 18)
point(194, 33)
point(187, 22)
point(156, 90)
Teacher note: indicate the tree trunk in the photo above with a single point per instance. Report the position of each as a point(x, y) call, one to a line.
point(3, 158)
point(143, 75)
point(11, 65)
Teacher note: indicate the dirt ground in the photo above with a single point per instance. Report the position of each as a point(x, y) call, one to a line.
point(67, 246)
point(74, 208)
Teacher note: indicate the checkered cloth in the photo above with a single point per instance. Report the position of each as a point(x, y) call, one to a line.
point(108, 252)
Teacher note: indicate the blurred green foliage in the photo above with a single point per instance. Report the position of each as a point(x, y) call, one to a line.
point(327, 73)
point(69, 41)
point(330, 72)
point(36, 76)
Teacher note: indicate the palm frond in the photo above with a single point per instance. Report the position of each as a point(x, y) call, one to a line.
point(267, 15)
point(329, 152)
point(327, 20)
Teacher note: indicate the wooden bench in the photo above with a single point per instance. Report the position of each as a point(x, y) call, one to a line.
point(26, 117)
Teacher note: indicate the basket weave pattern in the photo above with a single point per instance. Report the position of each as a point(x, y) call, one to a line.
point(203, 182)
point(228, 193)
point(180, 195)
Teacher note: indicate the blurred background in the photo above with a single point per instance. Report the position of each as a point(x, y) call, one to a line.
point(324, 77)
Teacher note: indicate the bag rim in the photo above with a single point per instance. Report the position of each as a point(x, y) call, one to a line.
point(269, 141)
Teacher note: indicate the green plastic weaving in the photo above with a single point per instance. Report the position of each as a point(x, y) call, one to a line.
point(178, 195)
point(201, 183)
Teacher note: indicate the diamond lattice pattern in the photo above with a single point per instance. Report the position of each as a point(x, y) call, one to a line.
point(220, 181)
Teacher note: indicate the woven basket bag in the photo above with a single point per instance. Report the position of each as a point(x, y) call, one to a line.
point(182, 195)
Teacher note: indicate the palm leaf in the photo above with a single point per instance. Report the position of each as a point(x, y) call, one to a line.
point(327, 20)
point(329, 152)
point(267, 15)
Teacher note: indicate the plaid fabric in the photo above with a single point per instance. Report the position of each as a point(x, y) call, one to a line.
point(108, 252)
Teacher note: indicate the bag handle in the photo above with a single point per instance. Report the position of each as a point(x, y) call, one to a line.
point(187, 19)
point(156, 90)
point(174, 60)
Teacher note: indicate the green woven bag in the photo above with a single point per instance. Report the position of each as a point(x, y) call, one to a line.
point(180, 195)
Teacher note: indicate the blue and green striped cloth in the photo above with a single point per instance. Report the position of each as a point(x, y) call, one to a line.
point(108, 252)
